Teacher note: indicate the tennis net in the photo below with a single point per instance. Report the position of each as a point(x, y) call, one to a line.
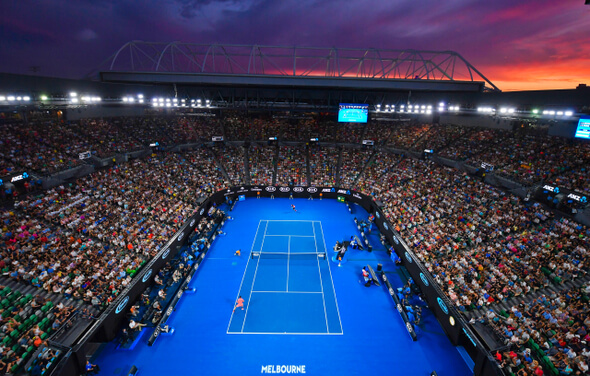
point(290, 256)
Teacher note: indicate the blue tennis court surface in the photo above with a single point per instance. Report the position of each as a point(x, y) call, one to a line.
point(334, 325)
point(291, 291)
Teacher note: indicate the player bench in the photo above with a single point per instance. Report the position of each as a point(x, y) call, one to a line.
point(373, 275)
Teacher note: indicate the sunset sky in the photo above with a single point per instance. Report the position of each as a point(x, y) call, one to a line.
point(518, 45)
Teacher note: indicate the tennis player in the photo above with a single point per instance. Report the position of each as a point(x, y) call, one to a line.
point(239, 303)
point(293, 207)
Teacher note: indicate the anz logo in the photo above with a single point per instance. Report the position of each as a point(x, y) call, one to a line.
point(409, 258)
point(377, 214)
point(442, 305)
point(552, 189)
point(395, 240)
point(166, 253)
point(147, 275)
point(424, 279)
point(270, 189)
point(385, 225)
point(122, 305)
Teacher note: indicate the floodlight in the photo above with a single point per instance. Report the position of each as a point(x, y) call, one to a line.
point(2, 98)
point(503, 110)
point(140, 96)
point(125, 99)
point(154, 99)
point(569, 113)
point(559, 113)
point(402, 106)
point(429, 112)
point(175, 100)
point(198, 100)
point(97, 99)
point(441, 104)
point(551, 112)
point(140, 100)
point(545, 112)
point(423, 107)
point(168, 104)
point(167, 99)
point(161, 100)
point(11, 97)
point(429, 107)
point(19, 98)
point(26, 98)
point(74, 100)
point(511, 110)
point(73, 94)
point(535, 111)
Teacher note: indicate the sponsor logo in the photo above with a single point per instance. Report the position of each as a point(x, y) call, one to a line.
point(332, 189)
point(255, 189)
point(409, 327)
point(574, 197)
point(284, 189)
point(22, 176)
point(442, 305)
point(122, 305)
point(343, 191)
point(327, 190)
point(391, 292)
point(270, 189)
point(424, 279)
point(377, 214)
point(169, 311)
point(409, 258)
point(551, 188)
point(386, 225)
point(356, 195)
point(468, 336)
point(202, 211)
point(312, 189)
point(192, 222)
point(146, 275)
point(179, 294)
point(395, 240)
point(188, 279)
point(166, 253)
point(399, 308)
point(298, 189)
point(283, 369)
point(157, 332)
point(180, 236)
point(384, 277)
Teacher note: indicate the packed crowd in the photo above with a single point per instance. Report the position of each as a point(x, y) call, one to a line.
point(232, 158)
point(261, 160)
point(323, 164)
point(292, 166)
point(353, 162)
point(87, 240)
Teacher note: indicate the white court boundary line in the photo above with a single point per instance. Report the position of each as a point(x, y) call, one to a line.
point(244, 276)
point(288, 292)
point(253, 279)
point(315, 243)
point(296, 292)
point(294, 236)
point(331, 279)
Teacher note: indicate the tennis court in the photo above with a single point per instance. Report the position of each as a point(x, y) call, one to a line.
point(287, 282)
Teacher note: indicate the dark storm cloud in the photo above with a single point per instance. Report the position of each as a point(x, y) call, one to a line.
point(502, 38)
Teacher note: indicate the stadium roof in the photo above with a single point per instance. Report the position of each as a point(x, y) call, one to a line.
point(291, 66)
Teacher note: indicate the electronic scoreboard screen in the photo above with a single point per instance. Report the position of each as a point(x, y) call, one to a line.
point(353, 113)
point(583, 130)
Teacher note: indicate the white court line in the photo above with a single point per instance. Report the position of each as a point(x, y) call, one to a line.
point(288, 259)
point(331, 279)
point(244, 276)
point(290, 334)
point(321, 282)
point(290, 292)
point(295, 236)
point(253, 280)
point(289, 220)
